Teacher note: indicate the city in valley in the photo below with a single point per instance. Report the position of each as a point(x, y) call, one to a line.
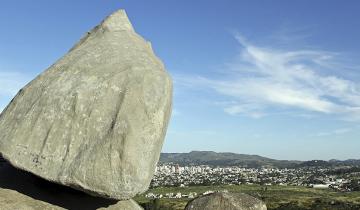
point(340, 179)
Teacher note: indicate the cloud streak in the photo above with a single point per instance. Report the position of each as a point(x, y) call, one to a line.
point(339, 131)
point(10, 84)
point(263, 79)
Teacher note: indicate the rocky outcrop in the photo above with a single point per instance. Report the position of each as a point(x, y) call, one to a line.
point(123, 205)
point(228, 201)
point(25, 191)
point(10, 199)
point(96, 119)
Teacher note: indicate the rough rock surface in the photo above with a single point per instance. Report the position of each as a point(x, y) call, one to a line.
point(96, 119)
point(228, 201)
point(10, 199)
point(124, 205)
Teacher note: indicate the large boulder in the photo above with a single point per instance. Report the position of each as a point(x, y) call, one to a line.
point(96, 119)
point(228, 201)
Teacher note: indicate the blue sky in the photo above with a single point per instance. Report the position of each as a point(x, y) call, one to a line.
point(274, 78)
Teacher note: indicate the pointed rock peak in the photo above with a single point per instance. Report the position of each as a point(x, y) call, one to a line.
point(117, 21)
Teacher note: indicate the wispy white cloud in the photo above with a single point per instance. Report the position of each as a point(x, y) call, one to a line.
point(335, 132)
point(266, 78)
point(252, 110)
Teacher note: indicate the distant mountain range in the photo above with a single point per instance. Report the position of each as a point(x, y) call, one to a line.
point(243, 160)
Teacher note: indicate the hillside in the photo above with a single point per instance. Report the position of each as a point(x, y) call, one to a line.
point(251, 161)
point(223, 159)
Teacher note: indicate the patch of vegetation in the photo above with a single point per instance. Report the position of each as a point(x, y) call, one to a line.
point(275, 197)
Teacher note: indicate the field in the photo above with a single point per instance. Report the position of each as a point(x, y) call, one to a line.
point(275, 197)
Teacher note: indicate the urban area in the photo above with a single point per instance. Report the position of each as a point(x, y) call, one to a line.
point(343, 179)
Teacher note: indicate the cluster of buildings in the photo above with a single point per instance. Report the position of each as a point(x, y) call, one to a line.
point(171, 195)
point(178, 195)
point(317, 177)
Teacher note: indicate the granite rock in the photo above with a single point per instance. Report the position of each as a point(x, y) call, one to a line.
point(96, 119)
point(228, 201)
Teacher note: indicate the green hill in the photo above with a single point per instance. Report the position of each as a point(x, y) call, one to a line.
point(224, 159)
point(251, 161)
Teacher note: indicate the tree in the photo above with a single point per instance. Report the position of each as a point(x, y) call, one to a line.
point(156, 204)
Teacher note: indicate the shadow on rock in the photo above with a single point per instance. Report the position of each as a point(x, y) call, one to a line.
point(40, 189)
